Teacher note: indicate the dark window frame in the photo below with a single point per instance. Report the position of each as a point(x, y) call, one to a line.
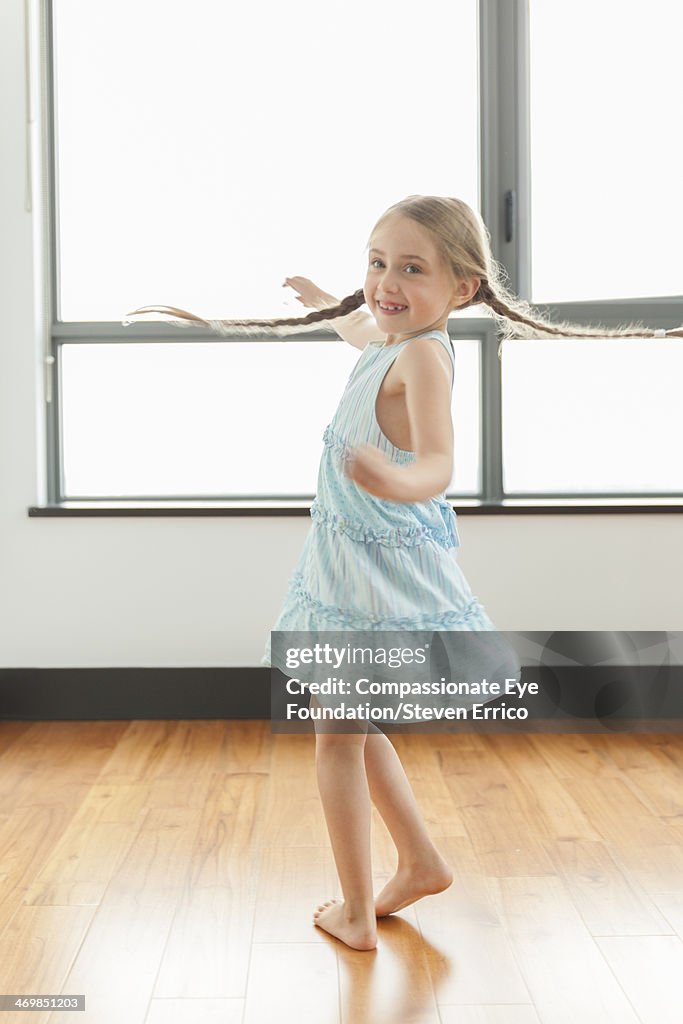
point(505, 207)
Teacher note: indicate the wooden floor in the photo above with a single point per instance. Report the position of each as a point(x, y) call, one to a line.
point(169, 871)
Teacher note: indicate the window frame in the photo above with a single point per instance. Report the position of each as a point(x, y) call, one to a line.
point(505, 204)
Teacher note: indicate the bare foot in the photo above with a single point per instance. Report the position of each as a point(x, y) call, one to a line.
point(357, 934)
point(411, 884)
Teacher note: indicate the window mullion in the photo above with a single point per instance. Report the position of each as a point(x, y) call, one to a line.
point(504, 135)
point(504, 198)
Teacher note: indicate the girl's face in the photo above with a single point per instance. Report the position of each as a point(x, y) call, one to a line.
point(404, 268)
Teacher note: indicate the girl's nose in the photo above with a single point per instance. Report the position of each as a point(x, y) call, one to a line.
point(389, 284)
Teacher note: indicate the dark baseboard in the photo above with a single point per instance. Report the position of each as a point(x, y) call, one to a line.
point(581, 704)
point(39, 694)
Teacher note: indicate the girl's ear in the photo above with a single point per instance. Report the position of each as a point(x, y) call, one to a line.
point(475, 283)
point(465, 291)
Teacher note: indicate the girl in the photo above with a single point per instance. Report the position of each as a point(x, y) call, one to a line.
point(381, 553)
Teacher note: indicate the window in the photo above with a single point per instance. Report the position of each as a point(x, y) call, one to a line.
point(589, 416)
point(606, 209)
point(199, 154)
point(176, 183)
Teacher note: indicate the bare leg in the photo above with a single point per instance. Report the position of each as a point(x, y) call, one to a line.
point(343, 785)
point(421, 869)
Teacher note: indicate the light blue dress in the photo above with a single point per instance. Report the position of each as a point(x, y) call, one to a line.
point(369, 563)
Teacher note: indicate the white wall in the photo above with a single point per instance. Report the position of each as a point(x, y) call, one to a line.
point(179, 591)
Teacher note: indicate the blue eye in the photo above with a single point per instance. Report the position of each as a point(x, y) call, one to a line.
point(378, 260)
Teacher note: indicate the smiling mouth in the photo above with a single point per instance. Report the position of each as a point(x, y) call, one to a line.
point(391, 308)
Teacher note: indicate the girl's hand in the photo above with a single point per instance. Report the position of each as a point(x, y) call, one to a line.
point(370, 468)
point(310, 295)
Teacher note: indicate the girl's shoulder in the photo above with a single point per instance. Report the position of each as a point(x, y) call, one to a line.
point(444, 351)
point(442, 336)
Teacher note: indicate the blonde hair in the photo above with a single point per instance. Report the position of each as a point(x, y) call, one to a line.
point(463, 242)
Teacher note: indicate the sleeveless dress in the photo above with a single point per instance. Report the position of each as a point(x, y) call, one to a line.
point(369, 563)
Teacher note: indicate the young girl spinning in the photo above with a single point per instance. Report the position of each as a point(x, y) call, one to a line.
point(382, 550)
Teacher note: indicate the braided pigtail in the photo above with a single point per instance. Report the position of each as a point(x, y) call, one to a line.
point(517, 319)
point(464, 243)
point(280, 328)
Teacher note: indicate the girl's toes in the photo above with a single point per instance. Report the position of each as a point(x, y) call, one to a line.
point(324, 906)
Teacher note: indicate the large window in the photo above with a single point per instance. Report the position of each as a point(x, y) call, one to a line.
point(199, 153)
point(591, 416)
point(605, 92)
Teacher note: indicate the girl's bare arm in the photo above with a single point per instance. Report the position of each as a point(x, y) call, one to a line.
point(356, 328)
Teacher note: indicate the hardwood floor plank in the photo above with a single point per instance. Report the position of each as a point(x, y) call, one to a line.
point(649, 969)
point(207, 952)
point(36, 951)
point(643, 845)
point(91, 847)
point(575, 755)
point(608, 902)
point(293, 814)
point(670, 906)
point(117, 964)
point(228, 834)
point(617, 814)
point(148, 750)
point(56, 761)
point(555, 813)
point(469, 954)
point(648, 774)
point(431, 791)
point(246, 746)
point(657, 869)
point(499, 825)
point(306, 972)
point(504, 1014)
point(157, 863)
point(292, 882)
point(195, 1011)
point(669, 749)
point(566, 974)
point(399, 986)
point(183, 860)
point(11, 739)
point(28, 837)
